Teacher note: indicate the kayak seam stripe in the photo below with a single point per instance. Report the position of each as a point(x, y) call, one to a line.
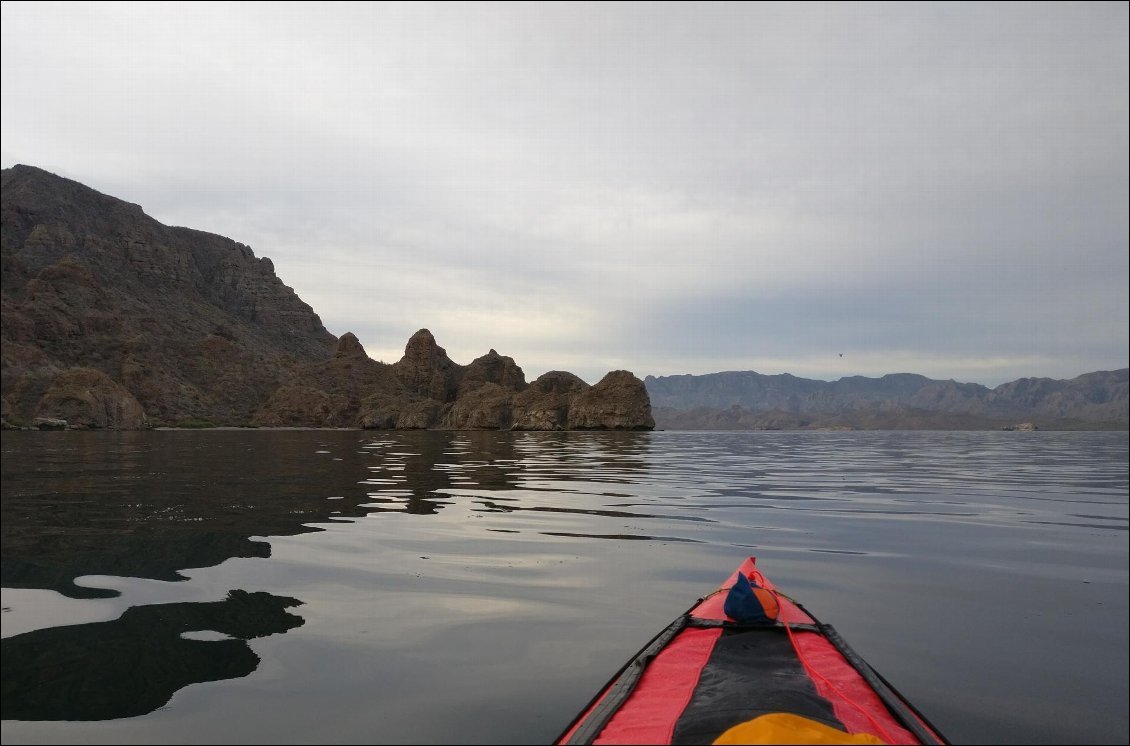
point(588, 731)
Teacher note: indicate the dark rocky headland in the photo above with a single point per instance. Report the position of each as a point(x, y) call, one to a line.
point(112, 320)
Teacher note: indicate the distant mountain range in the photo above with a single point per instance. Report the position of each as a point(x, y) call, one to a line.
point(745, 400)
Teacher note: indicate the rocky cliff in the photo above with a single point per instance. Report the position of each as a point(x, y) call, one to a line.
point(113, 320)
point(425, 389)
point(183, 326)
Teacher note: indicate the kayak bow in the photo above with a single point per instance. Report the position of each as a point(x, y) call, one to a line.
point(747, 664)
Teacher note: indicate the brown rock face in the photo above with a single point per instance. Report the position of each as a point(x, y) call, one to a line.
point(418, 415)
point(485, 407)
point(350, 390)
point(544, 405)
point(191, 324)
point(296, 406)
point(349, 348)
point(88, 398)
point(329, 393)
point(426, 369)
point(493, 368)
point(618, 401)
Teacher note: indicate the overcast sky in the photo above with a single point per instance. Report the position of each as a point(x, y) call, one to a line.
point(822, 190)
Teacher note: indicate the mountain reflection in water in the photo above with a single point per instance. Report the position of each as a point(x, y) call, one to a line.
point(134, 664)
point(158, 507)
point(478, 587)
point(145, 505)
point(154, 510)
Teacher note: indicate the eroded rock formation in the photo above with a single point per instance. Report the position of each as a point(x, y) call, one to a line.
point(425, 389)
point(617, 401)
point(88, 398)
point(545, 404)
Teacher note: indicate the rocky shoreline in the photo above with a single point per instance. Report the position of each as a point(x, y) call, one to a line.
point(425, 390)
point(112, 320)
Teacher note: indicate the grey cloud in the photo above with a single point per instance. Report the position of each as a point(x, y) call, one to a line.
point(617, 183)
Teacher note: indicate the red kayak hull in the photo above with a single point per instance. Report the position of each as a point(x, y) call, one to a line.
point(796, 665)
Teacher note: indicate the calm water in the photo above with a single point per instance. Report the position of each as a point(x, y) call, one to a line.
point(353, 587)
